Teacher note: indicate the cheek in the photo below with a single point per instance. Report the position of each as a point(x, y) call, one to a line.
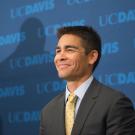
point(55, 60)
point(78, 63)
point(81, 63)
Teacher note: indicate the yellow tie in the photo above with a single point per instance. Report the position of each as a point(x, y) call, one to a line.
point(70, 112)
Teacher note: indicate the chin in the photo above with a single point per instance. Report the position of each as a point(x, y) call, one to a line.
point(62, 76)
point(66, 77)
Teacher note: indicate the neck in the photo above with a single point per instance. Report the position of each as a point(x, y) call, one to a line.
point(74, 84)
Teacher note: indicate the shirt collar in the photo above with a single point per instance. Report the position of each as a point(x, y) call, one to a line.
point(81, 90)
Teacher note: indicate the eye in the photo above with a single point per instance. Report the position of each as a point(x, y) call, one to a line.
point(70, 50)
point(57, 51)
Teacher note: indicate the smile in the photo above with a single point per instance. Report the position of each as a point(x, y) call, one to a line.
point(63, 66)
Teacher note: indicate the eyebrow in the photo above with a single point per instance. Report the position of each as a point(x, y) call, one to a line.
point(68, 46)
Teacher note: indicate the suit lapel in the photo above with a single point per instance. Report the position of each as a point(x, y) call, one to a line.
point(61, 118)
point(86, 106)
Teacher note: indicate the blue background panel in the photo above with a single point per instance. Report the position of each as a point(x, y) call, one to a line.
point(28, 78)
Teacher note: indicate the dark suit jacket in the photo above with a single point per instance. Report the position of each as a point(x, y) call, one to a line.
point(103, 111)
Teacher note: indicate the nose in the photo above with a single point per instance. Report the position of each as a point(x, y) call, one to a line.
point(61, 55)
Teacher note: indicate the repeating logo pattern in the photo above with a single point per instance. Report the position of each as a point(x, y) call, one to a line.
point(28, 78)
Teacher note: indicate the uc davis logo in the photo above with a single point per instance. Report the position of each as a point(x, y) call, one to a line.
point(117, 18)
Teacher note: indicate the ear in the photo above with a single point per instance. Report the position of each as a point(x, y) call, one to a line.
point(93, 56)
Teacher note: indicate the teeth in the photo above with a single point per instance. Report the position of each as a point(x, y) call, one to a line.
point(62, 66)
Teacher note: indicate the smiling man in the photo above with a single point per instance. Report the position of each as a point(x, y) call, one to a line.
point(87, 107)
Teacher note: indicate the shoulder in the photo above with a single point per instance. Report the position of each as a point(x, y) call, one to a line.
point(106, 90)
point(109, 95)
point(54, 102)
point(116, 107)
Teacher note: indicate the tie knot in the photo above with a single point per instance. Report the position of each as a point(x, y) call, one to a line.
point(72, 98)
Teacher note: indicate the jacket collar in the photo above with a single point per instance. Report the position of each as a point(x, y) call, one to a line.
point(88, 102)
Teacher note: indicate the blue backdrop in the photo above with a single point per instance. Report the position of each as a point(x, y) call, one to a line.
point(28, 78)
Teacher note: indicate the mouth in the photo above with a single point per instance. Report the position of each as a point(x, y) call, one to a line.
point(63, 66)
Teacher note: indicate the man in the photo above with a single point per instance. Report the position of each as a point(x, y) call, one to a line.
point(97, 109)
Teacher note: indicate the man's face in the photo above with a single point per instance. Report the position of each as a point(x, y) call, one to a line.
point(71, 61)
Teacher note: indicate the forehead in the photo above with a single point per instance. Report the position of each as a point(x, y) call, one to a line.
point(69, 39)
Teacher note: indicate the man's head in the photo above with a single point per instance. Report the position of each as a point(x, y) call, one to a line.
point(79, 49)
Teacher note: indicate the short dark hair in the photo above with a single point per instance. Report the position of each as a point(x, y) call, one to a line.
point(89, 36)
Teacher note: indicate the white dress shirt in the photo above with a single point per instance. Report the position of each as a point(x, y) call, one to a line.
point(79, 92)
